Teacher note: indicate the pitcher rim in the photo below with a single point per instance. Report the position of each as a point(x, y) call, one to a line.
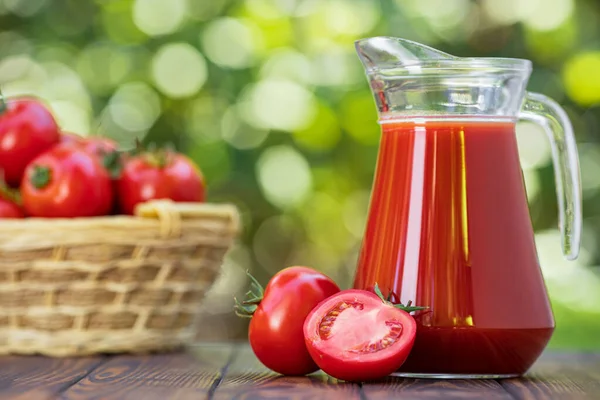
point(475, 63)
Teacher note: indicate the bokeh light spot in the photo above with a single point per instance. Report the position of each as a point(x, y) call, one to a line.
point(265, 9)
point(203, 118)
point(534, 146)
point(278, 104)
point(589, 159)
point(238, 133)
point(117, 21)
point(103, 65)
point(179, 70)
point(287, 64)
point(355, 211)
point(336, 66)
point(508, 11)
point(135, 106)
point(322, 215)
point(71, 117)
point(14, 67)
point(570, 283)
point(323, 133)
point(549, 14)
point(355, 17)
point(231, 42)
point(533, 184)
point(205, 10)
point(284, 176)
point(358, 116)
point(581, 78)
point(442, 14)
point(276, 29)
point(159, 17)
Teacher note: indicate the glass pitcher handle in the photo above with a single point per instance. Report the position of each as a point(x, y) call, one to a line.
point(551, 116)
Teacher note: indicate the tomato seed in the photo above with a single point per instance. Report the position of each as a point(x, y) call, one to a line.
point(329, 318)
point(389, 339)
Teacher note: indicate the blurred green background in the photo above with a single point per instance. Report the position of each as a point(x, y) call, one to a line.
point(269, 98)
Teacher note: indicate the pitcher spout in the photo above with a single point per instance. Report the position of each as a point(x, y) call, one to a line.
point(383, 52)
point(409, 79)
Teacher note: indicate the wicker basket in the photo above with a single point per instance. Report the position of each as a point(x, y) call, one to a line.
point(112, 284)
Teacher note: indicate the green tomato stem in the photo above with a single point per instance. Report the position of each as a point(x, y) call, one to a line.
point(408, 307)
point(3, 103)
point(254, 296)
point(41, 176)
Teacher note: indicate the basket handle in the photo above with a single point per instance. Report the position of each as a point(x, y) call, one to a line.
point(171, 214)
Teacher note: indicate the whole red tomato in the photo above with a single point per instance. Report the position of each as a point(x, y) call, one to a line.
point(356, 335)
point(159, 175)
point(276, 328)
point(70, 137)
point(9, 209)
point(27, 128)
point(99, 145)
point(66, 181)
point(106, 150)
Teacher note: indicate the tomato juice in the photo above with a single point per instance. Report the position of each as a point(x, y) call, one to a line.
point(449, 228)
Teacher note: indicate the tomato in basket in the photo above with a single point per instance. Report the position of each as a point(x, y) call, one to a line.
point(70, 137)
point(10, 209)
point(27, 128)
point(66, 181)
point(161, 174)
point(104, 148)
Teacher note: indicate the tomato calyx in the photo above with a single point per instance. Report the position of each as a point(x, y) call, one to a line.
point(254, 296)
point(3, 103)
point(408, 307)
point(112, 162)
point(157, 157)
point(41, 176)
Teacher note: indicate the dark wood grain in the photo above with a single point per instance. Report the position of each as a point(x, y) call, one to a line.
point(403, 388)
point(559, 376)
point(41, 378)
point(228, 372)
point(178, 376)
point(247, 379)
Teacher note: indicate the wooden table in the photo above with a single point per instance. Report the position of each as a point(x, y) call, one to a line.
point(228, 371)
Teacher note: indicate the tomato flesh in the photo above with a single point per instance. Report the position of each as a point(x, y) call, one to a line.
point(355, 336)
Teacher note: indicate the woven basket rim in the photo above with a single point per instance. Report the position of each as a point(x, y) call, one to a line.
point(143, 212)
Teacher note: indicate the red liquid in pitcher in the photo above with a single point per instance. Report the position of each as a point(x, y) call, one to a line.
point(449, 228)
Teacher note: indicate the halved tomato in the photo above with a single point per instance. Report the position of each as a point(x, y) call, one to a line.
point(356, 335)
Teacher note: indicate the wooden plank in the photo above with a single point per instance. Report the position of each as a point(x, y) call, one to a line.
point(177, 376)
point(247, 378)
point(394, 387)
point(559, 376)
point(37, 377)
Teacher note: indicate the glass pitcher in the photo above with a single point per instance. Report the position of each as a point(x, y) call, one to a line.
point(448, 223)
